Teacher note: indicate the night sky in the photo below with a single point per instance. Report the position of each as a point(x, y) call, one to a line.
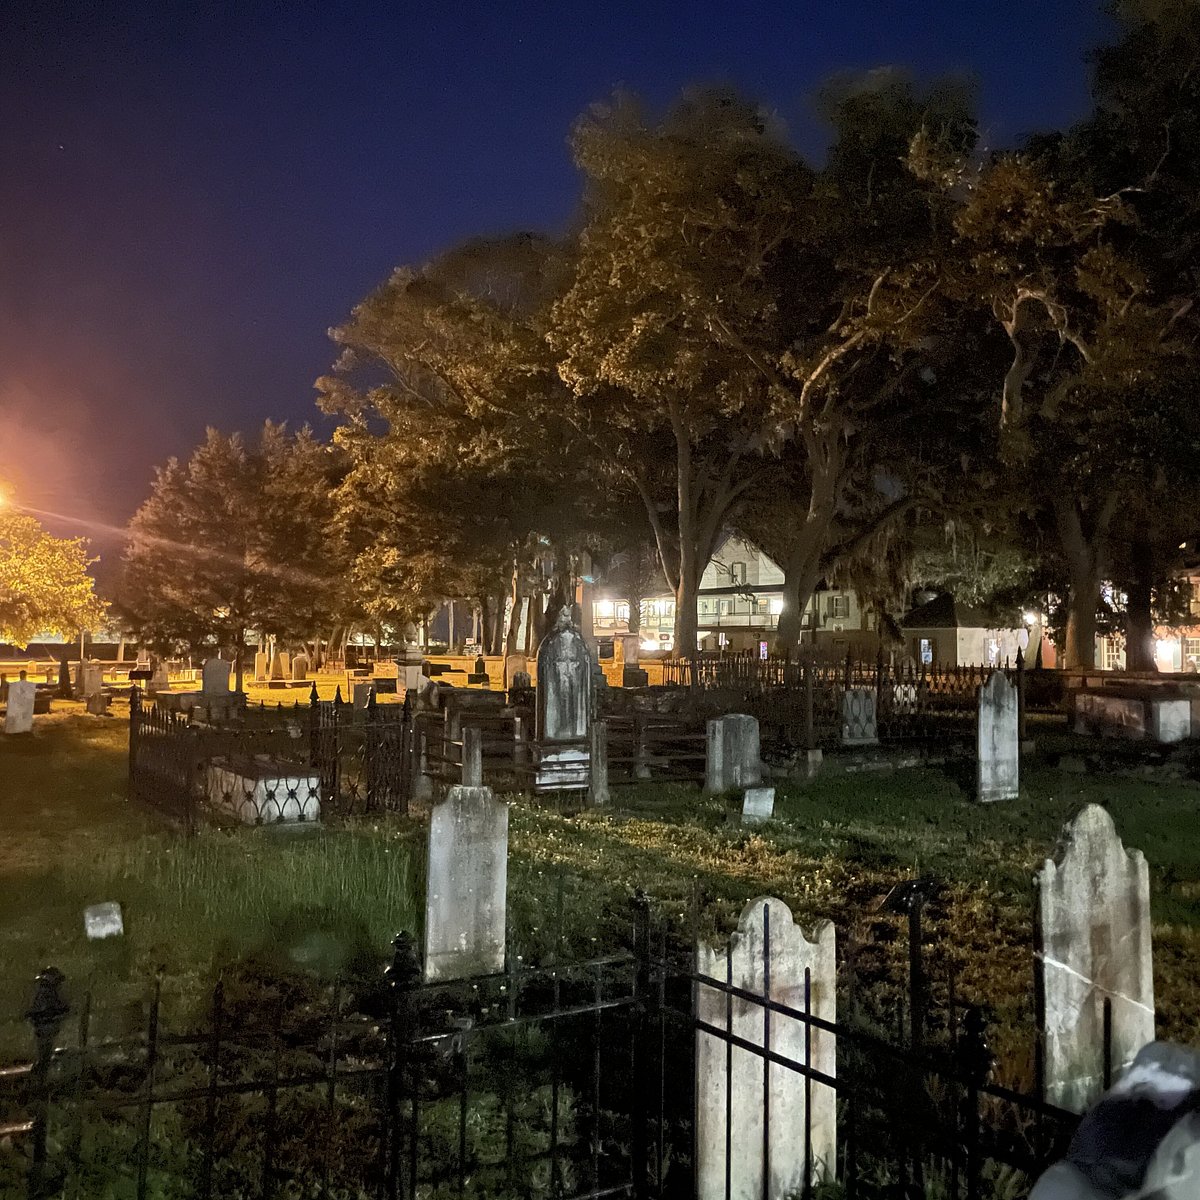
point(191, 194)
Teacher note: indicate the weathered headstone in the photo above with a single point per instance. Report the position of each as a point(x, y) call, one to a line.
point(97, 704)
point(858, 718)
point(997, 741)
point(1093, 947)
point(361, 694)
point(262, 666)
point(472, 756)
point(91, 679)
point(514, 664)
point(758, 805)
point(598, 793)
point(18, 717)
point(467, 885)
point(214, 679)
point(300, 668)
point(768, 945)
point(159, 680)
point(281, 665)
point(564, 706)
point(103, 921)
point(733, 757)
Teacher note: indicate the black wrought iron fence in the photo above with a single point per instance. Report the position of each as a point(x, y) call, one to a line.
point(308, 761)
point(802, 699)
point(562, 1079)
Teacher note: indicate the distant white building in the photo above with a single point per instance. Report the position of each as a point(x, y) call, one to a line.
point(738, 608)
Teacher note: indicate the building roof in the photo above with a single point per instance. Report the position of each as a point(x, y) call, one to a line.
point(944, 612)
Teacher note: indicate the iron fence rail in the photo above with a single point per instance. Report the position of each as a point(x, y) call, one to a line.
point(562, 1078)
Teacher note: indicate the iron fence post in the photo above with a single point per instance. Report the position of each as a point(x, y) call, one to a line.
point(641, 1082)
point(135, 723)
point(46, 1013)
point(1020, 695)
point(402, 977)
point(810, 737)
point(371, 752)
point(975, 1064)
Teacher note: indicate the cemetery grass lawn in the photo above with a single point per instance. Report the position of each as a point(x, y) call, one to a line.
point(326, 900)
point(837, 847)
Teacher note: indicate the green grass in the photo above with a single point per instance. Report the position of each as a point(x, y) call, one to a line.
point(329, 900)
point(324, 900)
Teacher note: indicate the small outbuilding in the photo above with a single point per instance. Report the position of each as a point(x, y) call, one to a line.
point(946, 633)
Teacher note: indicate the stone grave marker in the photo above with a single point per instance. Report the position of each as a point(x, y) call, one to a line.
point(18, 717)
point(262, 665)
point(103, 921)
point(564, 706)
point(361, 692)
point(159, 680)
point(214, 679)
point(758, 805)
point(733, 753)
point(467, 885)
point(858, 718)
point(1092, 931)
point(300, 668)
point(767, 944)
point(91, 679)
point(97, 704)
point(997, 741)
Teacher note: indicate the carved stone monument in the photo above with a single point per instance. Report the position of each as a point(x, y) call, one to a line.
point(564, 706)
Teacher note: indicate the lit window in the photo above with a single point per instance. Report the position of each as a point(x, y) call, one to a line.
point(623, 612)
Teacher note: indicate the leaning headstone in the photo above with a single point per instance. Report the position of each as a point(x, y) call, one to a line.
point(768, 945)
point(214, 680)
point(103, 921)
point(18, 717)
point(467, 885)
point(733, 753)
point(1093, 947)
point(564, 706)
point(997, 741)
point(858, 718)
point(758, 805)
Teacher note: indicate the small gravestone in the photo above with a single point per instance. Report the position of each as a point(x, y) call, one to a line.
point(514, 665)
point(300, 668)
point(738, 1083)
point(103, 921)
point(733, 753)
point(467, 885)
point(97, 704)
point(361, 694)
point(262, 666)
point(758, 805)
point(214, 679)
point(564, 707)
point(1092, 945)
point(159, 680)
point(858, 718)
point(997, 741)
point(18, 717)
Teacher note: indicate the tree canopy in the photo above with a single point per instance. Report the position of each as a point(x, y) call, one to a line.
point(45, 587)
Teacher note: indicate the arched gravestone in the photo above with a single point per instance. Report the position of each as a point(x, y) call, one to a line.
point(1093, 945)
point(564, 706)
point(767, 956)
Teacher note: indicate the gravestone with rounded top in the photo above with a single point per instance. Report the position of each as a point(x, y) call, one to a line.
point(1092, 932)
point(564, 706)
point(18, 717)
point(997, 741)
point(214, 679)
point(738, 1092)
point(467, 885)
point(300, 668)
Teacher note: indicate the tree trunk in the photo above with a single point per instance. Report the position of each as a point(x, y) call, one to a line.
point(1086, 552)
point(237, 664)
point(1139, 617)
point(497, 643)
point(514, 617)
point(634, 600)
point(485, 624)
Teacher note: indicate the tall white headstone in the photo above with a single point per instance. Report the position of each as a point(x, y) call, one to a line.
point(18, 717)
point(564, 706)
point(467, 885)
point(997, 742)
point(1093, 945)
point(768, 955)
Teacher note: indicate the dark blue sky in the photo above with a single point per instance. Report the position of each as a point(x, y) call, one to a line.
point(192, 193)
